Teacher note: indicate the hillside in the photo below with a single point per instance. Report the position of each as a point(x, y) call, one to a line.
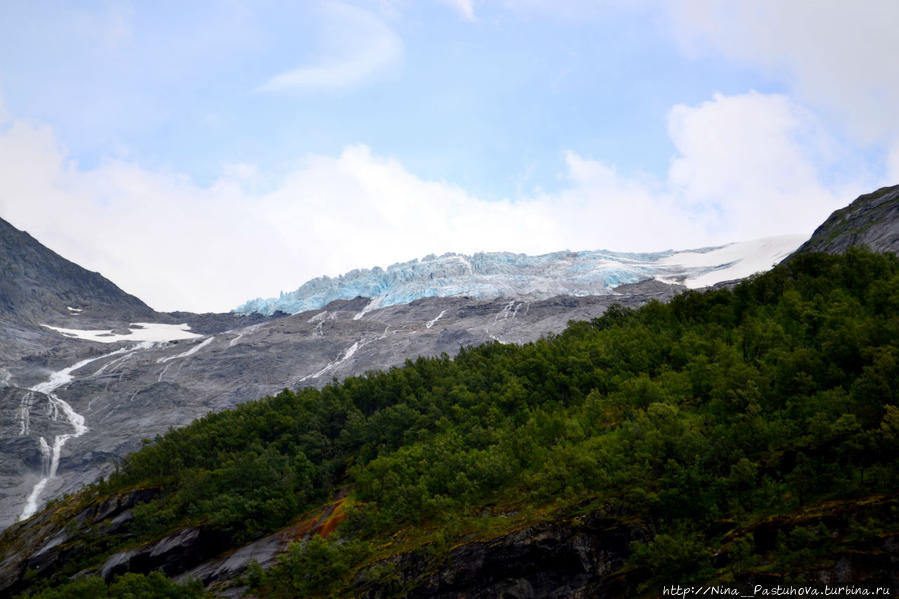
point(134, 389)
point(81, 388)
point(731, 437)
point(872, 220)
point(37, 283)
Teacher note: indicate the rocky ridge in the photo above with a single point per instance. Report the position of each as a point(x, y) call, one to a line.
point(36, 283)
point(872, 220)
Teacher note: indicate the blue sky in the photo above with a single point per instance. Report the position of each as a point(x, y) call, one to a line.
point(200, 154)
point(490, 104)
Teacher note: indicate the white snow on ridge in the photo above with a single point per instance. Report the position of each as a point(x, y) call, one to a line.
point(732, 261)
point(138, 331)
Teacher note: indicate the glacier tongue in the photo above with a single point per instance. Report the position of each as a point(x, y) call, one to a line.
point(504, 274)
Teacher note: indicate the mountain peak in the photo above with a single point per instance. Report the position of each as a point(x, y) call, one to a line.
point(871, 220)
point(36, 283)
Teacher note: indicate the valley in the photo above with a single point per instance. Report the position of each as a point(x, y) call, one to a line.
point(107, 419)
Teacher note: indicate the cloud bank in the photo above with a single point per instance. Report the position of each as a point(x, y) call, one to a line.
point(745, 166)
point(839, 55)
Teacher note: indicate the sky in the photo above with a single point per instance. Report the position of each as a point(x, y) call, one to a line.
point(202, 154)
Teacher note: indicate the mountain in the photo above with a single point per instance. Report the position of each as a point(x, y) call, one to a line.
point(54, 317)
point(123, 391)
point(81, 387)
point(737, 439)
point(872, 220)
point(488, 276)
point(79, 391)
point(37, 284)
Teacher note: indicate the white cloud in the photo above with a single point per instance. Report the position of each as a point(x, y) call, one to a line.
point(893, 163)
point(465, 8)
point(744, 168)
point(838, 55)
point(754, 160)
point(357, 45)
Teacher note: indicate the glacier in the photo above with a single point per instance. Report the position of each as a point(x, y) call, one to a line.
point(520, 276)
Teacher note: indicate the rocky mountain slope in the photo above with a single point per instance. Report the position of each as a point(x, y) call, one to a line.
point(136, 390)
point(87, 371)
point(683, 443)
point(36, 283)
point(81, 385)
point(872, 220)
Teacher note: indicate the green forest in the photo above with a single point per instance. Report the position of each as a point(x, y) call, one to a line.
point(699, 419)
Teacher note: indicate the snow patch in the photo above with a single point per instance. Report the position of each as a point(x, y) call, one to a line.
point(118, 361)
point(344, 356)
point(187, 353)
point(241, 333)
point(732, 261)
point(137, 331)
point(320, 319)
point(368, 308)
point(435, 319)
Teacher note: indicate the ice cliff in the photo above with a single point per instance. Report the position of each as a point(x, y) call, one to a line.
point(503, 274)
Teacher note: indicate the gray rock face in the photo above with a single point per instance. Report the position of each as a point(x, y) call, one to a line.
point(45, 544)
point(36, 282)
point(173, 554)
point(871, 220)
point(142, 392)
point(264, 551)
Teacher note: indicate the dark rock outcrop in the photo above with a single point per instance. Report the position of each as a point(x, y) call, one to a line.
point(172, 555)
point(872, 220)
point(575, 559)
point(46, 543)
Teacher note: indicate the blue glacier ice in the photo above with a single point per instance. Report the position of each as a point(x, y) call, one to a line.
point(504, 274)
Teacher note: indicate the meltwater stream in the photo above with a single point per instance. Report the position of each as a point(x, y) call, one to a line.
point(50, 453)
